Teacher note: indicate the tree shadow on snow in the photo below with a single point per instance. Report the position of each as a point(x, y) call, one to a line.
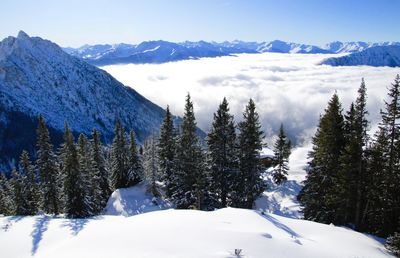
point(10, 221)
point(40, 226)
point(280, 225)
point(77, 225)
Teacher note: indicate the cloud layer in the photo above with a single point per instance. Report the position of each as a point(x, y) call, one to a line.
point(287, 88)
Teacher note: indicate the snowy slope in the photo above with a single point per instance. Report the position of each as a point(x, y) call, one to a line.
point(374, 56)
point(182, 233)
point(134, 200)
point(355, 46)
point(282, 199)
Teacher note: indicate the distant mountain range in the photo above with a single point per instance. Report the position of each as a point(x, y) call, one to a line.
point(38, 77)
point(164, 51)
point(374, 56)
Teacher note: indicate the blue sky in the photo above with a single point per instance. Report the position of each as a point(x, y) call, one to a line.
point(76, 22)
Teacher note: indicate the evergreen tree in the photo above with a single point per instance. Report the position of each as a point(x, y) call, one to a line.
point(282, 150)
point(19, 207)
point(135, 167)
point(150, 164)
point(76, 203)
point(29, 184)
point(384, 203)
point(87, 175)
point(99, 174)
point(223, 155)
point(190, 174)
point(48, 170)
point(166, 153)
point(352, 175)
point(393, 244)
point(6, 196)
point(250, 184)
point(319, 196)
point(119, 159)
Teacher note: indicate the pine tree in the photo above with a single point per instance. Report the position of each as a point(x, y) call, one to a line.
point(86, 174)
point(282, 150)
point(352, 175)
point(6, 196)
point(99, 174)
point(384, 165)
point(29, 184)
point(250, 184)
point(319, 196)
point(166, 153)
point(223, 155)
point(19, 204)
point(119, 159)
point(135, 167)
point(48, 170)
point(393, 244)
point(150, 164)
point(190, 176)
point(76, 204)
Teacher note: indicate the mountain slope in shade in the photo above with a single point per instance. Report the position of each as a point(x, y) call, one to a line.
point(38, 77)
point(374, 56)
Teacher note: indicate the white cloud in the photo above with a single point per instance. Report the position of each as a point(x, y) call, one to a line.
point(288, 88)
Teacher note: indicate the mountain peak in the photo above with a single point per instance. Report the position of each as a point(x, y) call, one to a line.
point(22, 35)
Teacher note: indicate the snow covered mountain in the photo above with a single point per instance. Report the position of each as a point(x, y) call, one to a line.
point(374, 56)
point(38, 77)
point(164, 51)
point(353, 47)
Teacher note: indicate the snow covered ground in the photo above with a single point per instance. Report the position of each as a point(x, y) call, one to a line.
point(155, 232)
point(182, 233)
point(281, 199)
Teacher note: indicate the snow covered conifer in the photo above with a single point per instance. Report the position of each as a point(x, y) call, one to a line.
point(135, 167)
point(99, 173)
point(48, 170)
point(150, 164)
point(319, 196)
point(29, 184)
point(76, 203)
point(19, 203)
point(6, 196)
point(166, 152)
point(119, 159)
point(282, 150)
point(223, 155)
point(190, 171)
point(250, 184)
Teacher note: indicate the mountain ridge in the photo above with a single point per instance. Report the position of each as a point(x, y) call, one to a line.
point(160, 51)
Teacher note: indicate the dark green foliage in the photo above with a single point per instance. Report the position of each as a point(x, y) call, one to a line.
point(19, 202)
point(383, 204)
point(166, 153)
point(282, 150)
point(150, 165)
point(319, 196)
point(6, 193)
point(223, 155)
point(48, 170)
point(73, 170)
point(393, 244)
point(100, 185)
point(29, 184)
point(135, 167)
point(119, 159)
point(250, 184)
point(190, 171)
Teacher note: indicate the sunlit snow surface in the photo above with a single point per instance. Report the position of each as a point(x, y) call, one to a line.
point(288, 88)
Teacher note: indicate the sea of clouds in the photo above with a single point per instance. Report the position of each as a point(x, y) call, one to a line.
point(292, 89)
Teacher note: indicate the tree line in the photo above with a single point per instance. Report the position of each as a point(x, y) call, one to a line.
point(352, 178)
point(78, 178)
